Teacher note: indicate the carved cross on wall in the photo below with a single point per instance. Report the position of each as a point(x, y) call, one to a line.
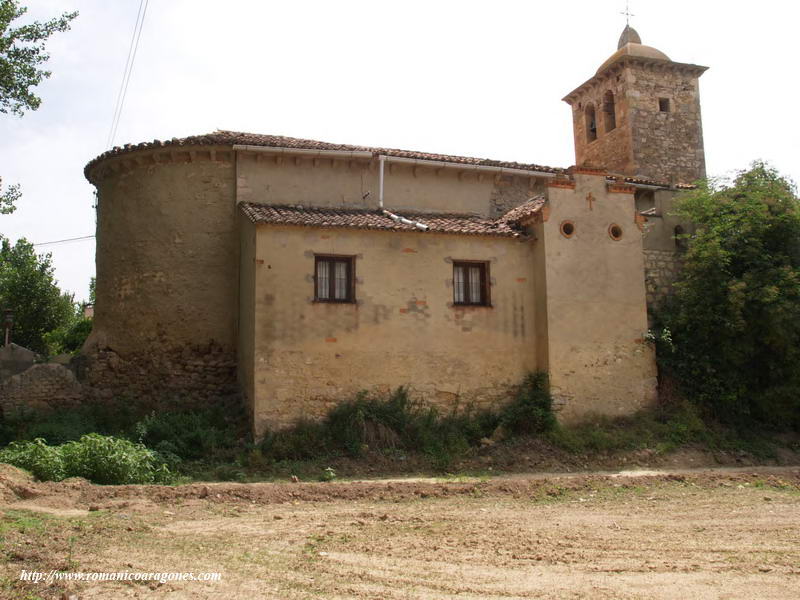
point(590, 200)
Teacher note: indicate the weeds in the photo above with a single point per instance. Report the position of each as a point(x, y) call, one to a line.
point(100, 459)
point(211, 444)
point(399, 423)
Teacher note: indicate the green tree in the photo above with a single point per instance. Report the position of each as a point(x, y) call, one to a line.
point(22, 56)
point(8, 197)
point(734, 321)
point(28, 288)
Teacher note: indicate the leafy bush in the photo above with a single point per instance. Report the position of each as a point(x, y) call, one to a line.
point(68, 338)
point(190, 435)
point(731, 334)
point(42, 461)
point(110, 460)
point(67, 424)
point(531, 411)
point(303, 441)
point(98, 458)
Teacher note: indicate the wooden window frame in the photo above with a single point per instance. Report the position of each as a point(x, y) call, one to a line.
point(332, 259)
point(485, 284)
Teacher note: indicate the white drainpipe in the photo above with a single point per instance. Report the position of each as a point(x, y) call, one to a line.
point(392, 216)
point(381, 163)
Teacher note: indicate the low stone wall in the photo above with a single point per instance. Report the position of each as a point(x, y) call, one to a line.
point(40, 387)
point(187, 377)
point(661, 269)
point(193, 375)
point(15, 359)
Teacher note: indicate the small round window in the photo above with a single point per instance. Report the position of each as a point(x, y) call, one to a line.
point(615, 231)
point(567, 229)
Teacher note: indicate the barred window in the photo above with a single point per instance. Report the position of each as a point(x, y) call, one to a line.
point(334, 279)
point(471, 283)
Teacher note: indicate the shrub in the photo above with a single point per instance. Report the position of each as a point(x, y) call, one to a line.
point(42, 461)
point(67, 424)
point(191, 435)
point(109, 460)
point(98, 458)
point(305, 440)
point(731, 334)
point(383, 424)
point(531, 411)
point(68, 338)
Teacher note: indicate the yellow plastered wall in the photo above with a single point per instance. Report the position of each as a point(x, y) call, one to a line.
point(402, 330)
point(596, 311)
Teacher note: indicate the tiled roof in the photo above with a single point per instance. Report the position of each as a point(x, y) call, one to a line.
point(524, 211)
point(643, 181)
point(230, 138)
point(358, 218)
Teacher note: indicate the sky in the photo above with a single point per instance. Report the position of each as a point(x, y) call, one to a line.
point(463, 77)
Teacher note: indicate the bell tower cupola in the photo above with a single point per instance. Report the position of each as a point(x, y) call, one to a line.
point(639, 115)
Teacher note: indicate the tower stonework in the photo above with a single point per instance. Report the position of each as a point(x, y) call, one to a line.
point(639, 115)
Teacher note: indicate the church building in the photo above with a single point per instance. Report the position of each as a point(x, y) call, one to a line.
point(316, 270)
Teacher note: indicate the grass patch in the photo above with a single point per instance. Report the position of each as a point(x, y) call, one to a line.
point(663, 430)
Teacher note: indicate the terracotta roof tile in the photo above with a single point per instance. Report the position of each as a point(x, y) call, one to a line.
point(643, 181)
point(230, 138)
point(357, 218)
point(524, 211)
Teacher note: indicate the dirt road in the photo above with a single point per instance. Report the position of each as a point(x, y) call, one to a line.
point(724, 534)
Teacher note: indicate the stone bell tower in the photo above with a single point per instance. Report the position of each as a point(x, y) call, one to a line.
point(639, 115)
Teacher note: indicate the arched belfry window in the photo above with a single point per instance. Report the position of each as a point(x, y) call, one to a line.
point(591, 123)
point(610, 111)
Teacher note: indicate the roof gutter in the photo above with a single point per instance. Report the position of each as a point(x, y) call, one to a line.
point(304, 151)
point(395, 159)
point(644, 186)
point(467, 167)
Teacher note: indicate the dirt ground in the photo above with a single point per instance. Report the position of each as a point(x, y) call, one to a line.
point(681, 534)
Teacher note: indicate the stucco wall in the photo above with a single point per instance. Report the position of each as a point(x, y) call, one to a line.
point(333, 182)
point(167, 251)
point(403, 329)
point(247, 297)
point(596, 316)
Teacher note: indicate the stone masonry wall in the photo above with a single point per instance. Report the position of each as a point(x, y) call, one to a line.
point(40, 387)
point(186, 377)
point(194, 375)
point(15, 359)
point(667, 145)
point(661, 268)
point(664, 145)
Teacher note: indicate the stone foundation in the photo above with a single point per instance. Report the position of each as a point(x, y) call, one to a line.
point(187, 377)
point(194, 375)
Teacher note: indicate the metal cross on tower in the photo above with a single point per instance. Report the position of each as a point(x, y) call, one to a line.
point(628, 14)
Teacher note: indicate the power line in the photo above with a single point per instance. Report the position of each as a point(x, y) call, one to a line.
point(126, 74)
point(75, 239)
